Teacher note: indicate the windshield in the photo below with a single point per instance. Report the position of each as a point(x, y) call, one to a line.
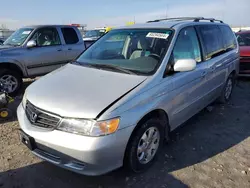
point(94, 33)
point(139, 50)
point(243, 39)
point(18, 37)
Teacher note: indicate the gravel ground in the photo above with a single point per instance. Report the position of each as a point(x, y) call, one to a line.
point(210, 150)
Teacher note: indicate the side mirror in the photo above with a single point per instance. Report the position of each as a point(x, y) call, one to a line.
point(184, 65)
point(31, 44)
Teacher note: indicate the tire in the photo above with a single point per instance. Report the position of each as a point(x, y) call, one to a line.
point(227, 90)
point(5, 114)
point(15, 78)
point(132, 160)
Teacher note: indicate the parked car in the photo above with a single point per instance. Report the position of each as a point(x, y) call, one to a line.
point(92, 35)
point(244, 42)
point(1, 41)
point(119, 100)
point(37, 50)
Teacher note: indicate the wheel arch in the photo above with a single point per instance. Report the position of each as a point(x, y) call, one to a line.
point(11, 66)
point(156, 113)
point(233, 73)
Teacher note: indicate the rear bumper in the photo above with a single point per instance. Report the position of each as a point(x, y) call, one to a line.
point(81, 154)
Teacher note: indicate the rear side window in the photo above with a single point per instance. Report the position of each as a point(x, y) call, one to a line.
point(228, 38)
point(213, 41)
point(70, 35)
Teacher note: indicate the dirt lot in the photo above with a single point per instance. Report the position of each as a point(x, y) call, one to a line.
point(210, 150)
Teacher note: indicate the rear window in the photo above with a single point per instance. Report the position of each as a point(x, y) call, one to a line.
point(243, 39)
point(212, 38)
point(70, 35)
point(228, 38)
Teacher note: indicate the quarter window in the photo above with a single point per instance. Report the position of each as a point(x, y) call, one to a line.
point(212, 38)
point(228, 38)
point(70, 35)
point(46, 37)
point(187, 45)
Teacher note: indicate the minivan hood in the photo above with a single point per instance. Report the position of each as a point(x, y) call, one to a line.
point(2, 47)
point(80, 92)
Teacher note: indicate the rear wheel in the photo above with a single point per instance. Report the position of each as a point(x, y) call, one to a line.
point(11, 80)
point(144, 145)
point(227, 90)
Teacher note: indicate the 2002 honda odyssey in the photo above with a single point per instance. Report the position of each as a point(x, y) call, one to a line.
point(119, 100)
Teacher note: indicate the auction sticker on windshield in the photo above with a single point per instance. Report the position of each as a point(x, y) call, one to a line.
point(26, 32)
point(158, 35)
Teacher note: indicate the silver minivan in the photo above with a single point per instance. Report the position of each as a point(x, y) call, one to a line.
point(118, 101)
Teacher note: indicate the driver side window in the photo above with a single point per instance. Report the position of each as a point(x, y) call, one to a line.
point(46, 37)
point(187, 45)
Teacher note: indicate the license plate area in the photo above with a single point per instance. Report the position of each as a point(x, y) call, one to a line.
point(27, 140)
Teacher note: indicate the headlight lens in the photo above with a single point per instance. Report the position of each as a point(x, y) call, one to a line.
point(24, 101)
point(88, 127)
point(3, 98)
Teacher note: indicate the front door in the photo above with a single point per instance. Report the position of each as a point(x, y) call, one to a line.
point(187, 87)
point(47, 55)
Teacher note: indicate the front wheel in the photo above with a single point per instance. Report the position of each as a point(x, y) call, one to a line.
point(227, 90)
point(11, 80)
point(144, 145)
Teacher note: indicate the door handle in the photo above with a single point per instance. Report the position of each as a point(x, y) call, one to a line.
point(219, 65)
point(59, 50)
point(203, 74)
point(213, 69)
point(70, 49)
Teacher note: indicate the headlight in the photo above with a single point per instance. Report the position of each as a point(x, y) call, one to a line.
point(3, 98)
point(24, 101)
point(88, 127)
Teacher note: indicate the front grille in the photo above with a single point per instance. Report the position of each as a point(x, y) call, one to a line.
point(40, 118)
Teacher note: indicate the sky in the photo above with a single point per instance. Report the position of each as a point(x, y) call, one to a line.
point(99, 13)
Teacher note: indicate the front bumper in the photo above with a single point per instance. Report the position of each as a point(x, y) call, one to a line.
point(81, 154)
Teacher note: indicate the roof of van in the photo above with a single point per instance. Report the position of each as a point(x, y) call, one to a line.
point(167, 24)
point(38, 26)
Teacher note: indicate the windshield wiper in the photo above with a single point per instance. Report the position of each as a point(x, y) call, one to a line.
point(105, 66)
point(113, 67)
point(83, 64)
point(8, 44)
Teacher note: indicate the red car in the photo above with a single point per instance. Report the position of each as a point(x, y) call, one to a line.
point(243, 38)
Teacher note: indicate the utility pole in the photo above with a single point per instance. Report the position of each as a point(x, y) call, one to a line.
point(167, 11)
point(223, 12)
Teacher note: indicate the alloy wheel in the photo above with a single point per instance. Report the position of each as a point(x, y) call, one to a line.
point(228, 89)
point(10, 83)
point(148, 145)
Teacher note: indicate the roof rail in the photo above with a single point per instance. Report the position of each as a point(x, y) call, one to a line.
point(195, 19)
